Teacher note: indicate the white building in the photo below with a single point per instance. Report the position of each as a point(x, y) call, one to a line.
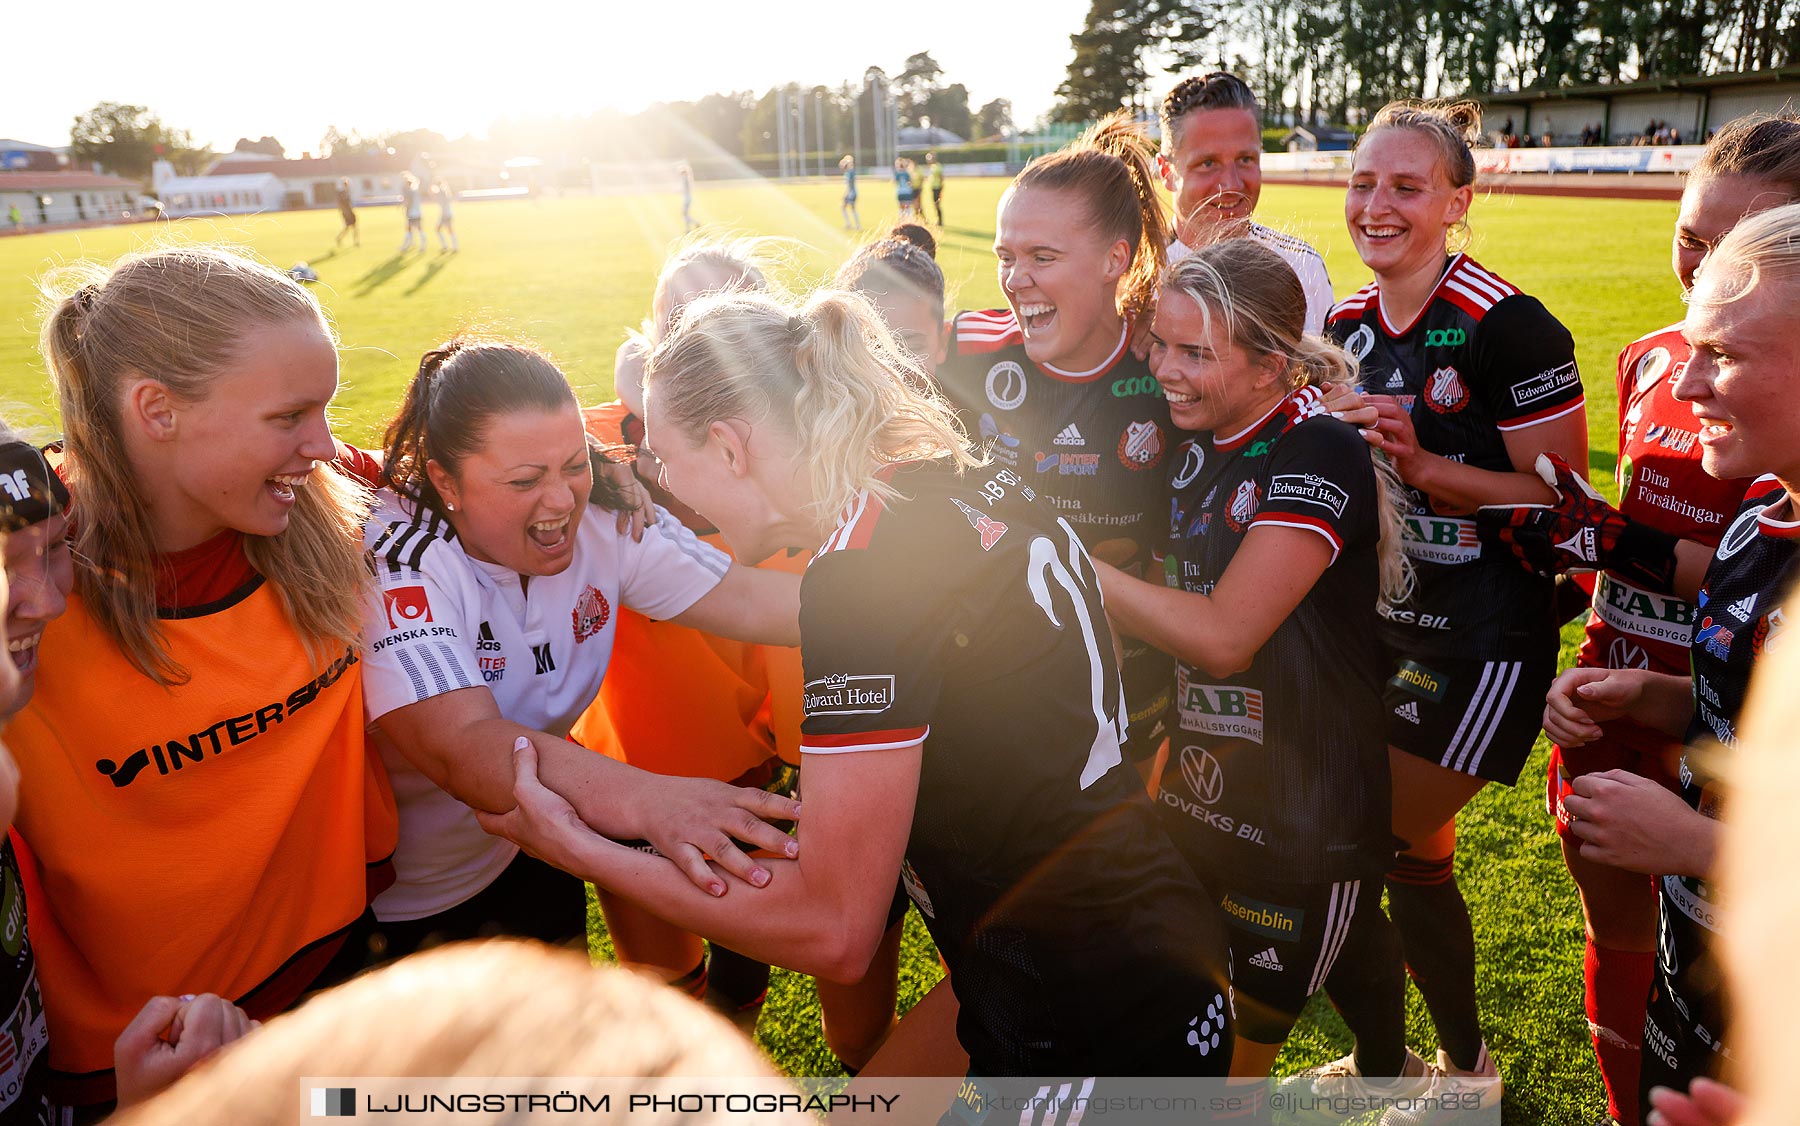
point(246, 194)
point(312, 181)
point(50, 198)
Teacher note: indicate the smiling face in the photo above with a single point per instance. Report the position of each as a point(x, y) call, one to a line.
point(1710, 207)
point(1401, 204)
point(235, 458)
point(1211, 383)
point(518, 498)
point(39, 574)
point(745, 479)
point(1743, 377)
point(1061, 277)
point(1214, 171)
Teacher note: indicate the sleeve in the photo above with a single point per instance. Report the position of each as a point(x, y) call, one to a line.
point(359, 464)
point(418, 640)
point(1527, 364)
point(668, 570)
point(1320, 481)
point(1317, 283)
point(870, 654)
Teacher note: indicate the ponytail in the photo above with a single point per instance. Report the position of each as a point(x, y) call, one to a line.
point(829, 373)
point(1113, 167)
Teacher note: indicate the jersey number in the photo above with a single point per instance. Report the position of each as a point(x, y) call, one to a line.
point(1074, 577)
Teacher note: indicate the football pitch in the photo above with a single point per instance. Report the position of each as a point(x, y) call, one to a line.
point(571, 273)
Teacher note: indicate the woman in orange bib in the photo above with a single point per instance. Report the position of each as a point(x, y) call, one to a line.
point(199, 813)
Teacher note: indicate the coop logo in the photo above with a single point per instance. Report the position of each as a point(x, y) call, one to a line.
point(1361, 342)
point(1643, 613)
point(1228, 710)
point(843, 694)
point(1309, 488)
point(1446, 338)
point(405, 606)
point(590, 614)
point(1445, 391)
point(1006, 385)
point(1135, 386)
point(1545, 384)
point(1440, 539)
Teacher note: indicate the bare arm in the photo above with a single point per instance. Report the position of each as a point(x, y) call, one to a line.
point(822, 915)
point(749, 604)
point(1463, 488)
point(1268, 577)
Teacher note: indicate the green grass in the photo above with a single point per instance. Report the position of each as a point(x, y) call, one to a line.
point(573, 273)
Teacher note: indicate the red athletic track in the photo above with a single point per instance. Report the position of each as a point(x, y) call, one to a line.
point(1650, 185)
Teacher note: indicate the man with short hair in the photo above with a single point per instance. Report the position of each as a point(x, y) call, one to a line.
point(1211, 159)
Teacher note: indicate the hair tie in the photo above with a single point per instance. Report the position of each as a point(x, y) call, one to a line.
point(85, 296)
point(798, 330)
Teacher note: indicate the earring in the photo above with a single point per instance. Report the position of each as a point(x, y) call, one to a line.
point(448, 507)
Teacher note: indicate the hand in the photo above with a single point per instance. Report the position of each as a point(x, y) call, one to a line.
point(1347, 404)
point(615, 473)
point(169, 1037)
point(1707, 1103)
point(1140, 339)
point(1627, 821)
point(1393, 424)
point(1575, 532)
point(1580, 700)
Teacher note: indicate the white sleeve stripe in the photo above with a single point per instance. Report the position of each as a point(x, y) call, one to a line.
point(454, 665)
point(716, 562)
point(412, 673)
point(806, 749)
point(1506, 288)
point(1481, 298)
point(1530, 422)
point(1478, 284)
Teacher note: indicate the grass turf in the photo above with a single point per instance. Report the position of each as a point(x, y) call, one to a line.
point(572, 273)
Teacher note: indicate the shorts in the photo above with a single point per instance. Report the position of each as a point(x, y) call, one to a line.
point(1472, 716)
point(1284, 940)
point(849, 199)
point(528, 899)
point(1675, 1052)
point(1606, 754)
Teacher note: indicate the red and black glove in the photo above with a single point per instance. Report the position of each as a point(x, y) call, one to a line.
point(1580, 531)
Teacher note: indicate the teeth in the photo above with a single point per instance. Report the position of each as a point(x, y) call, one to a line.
point(1381, 232)
point(548, 525)
point(291, 480)
point(1036, 309)
point(1715, 429)
point(20, 644)
point(1176, 398)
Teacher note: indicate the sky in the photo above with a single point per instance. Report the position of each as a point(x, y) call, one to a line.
point(292, 70)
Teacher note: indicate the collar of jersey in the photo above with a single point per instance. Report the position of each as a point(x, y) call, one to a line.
point(1082, 376)
point(1235, 441)
point(1381, 308)
point(1780, 529)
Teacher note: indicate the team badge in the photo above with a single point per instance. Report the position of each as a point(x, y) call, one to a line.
point(1193, 460)
point(1651, 366)
point(986, 526)
point(1141, 446)
point(1767, 630)
point(1242, 508)
point(405, 606)
point(1006, 385)
point(1445, 391)
point(590, 614)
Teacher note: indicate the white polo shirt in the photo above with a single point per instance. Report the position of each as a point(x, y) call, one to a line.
point(1306, 261)
point(442, 621)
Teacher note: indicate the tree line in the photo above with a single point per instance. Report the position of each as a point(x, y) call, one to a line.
point(1340, 60)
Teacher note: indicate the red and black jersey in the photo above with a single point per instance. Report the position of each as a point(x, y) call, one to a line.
point(1095, 444)
point(1662, 484)
point(1479, 360)
point(1738, 617)
point(967, 614)
point(1280, 772)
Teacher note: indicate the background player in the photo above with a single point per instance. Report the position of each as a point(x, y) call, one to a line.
point(446, 224)
point(347, 212)
point(934, 180)
point(1276, 562)
point(969, 725)
point(412, 202)
point(1741, 378)
point(1050, 383)
point(484, 533)
point(1211, 160)
point(1472, 380)
point(201, 697)
point(848, 167)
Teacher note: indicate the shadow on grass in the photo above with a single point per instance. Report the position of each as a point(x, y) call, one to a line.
point(431, 271)
point(381, 274)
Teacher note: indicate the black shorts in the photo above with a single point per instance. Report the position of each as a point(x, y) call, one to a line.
point(528, 899)
point(1679, 1047)
point(1475, 717)
point(1284, 940)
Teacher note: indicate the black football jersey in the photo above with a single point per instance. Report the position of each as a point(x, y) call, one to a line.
point(1280, 771)
point(1738, 617)
point(967, 614)
point(1481, 359)
point(1095, 445)
point(25, 1065)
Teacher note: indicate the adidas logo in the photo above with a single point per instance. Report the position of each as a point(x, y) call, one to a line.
point(1408, 711)
point(1742, 608)
point(1068, 436)
point(1396, 380)
point(1267, 960)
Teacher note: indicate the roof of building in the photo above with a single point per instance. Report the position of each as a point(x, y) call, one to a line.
point(338, 164)
point(27, 180)
point(1690, 83)
point(7, 144)
point(248, 181)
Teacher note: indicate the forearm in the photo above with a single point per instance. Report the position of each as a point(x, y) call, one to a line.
point(1184, 624)
point(750, 604)
point(1665, 703)
point(1464, 488)
point(476, 769)
point(1695, 839)
point(1691, 561)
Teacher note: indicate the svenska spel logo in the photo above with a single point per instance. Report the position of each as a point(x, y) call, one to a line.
point(334, 1102)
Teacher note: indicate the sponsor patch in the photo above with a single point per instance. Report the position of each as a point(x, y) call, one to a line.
point(1067, 464)
point(1308, 488)
point(1069, 435)
point(844, 694)
point(1360, 342)
point(1420, 681)
point(1267, 919)
point(1545, 384)
point(1623, 654)
point(1650, 367)
point(1440, 539)
point(1191, 461)
point(1000, 441)
point(590, 615)
point(1643, 613)
point(1691, 901)
point(1205, 780)
point(405, 606)
point(989, 529)
point(1006, 385)
point(1228, 710)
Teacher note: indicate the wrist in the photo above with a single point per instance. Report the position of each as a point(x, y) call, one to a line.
point(1421, 470)
point(1643, 555)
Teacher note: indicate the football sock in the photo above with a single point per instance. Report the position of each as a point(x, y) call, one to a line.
point(1618, 982)
point(693, 983)
point(1367, 983)
point(1428, 910)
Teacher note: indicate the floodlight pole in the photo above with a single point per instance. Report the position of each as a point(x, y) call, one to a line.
point(800, 132)
point(819, 126)
point(781, 153)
